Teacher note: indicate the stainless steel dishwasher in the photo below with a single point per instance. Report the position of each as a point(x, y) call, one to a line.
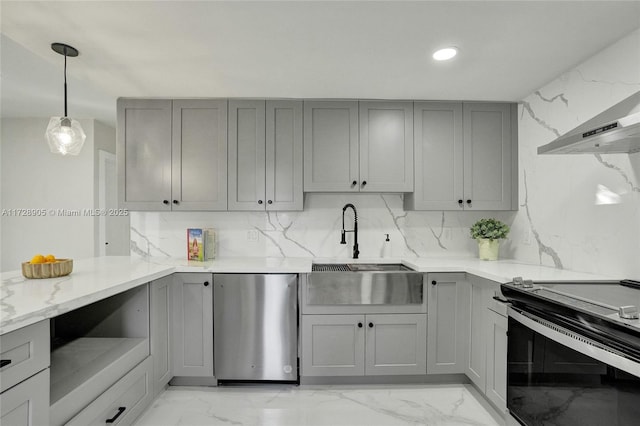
point(255, 327)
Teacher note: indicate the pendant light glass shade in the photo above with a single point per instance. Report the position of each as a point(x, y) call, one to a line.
point(65, 136)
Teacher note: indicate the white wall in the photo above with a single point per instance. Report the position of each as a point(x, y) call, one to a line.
point(34, 178)
point(557, 192)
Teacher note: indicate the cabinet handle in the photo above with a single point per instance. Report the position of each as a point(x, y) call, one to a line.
point(359, 325)
point(354, 183)
point(165, 202)
point(370, 325)
point(434, 282)
point(364, 182)
point(259, 201)
point(269, 202)
point(4, 362)
point(460, 202)
point(176, 202)
point(469, 202)
point(206, 283)
point(120, 411)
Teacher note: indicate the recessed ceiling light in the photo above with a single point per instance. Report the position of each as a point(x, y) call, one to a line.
point(445, 54)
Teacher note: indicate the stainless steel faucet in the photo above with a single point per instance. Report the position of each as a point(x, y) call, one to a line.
point(343, 240)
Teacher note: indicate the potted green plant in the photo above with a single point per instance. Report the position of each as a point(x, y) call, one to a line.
point(488, 233)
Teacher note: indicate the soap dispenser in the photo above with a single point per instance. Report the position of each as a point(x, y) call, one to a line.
point(386, 247)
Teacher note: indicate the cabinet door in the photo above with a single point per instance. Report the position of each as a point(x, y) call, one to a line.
point(386, 146)
point(144, 154)
point(283, 155)
point(199, 155)
point(438, 157)
point(396, 344)
point(447, 323)
point(246, 155)
point(331, 146)
point(475, 367)
point(27, 403)
point(487, 156)
point(192, 320)
point(496, 390)
point(332, 345)
point(160, 324)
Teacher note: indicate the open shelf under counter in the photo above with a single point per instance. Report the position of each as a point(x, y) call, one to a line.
point(83, 368)
point(95, 346)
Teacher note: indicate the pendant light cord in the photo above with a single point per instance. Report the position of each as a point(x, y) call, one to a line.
point(65, 83)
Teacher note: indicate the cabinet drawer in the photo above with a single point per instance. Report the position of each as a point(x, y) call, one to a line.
point(24, 352)
point(27, 403)
point(123, 402)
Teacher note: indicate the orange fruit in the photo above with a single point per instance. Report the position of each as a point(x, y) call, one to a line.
point(49, 258)
point(38, 258)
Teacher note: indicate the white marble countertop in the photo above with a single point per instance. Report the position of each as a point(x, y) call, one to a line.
point(24, 301)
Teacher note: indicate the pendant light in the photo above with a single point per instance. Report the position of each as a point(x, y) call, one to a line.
point(65, 135)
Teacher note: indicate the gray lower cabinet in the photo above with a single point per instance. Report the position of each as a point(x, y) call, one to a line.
point(357, 345)
point(465, 156)
point(332, 345)
point(448, 324)
point(265, 155)
point(172, 155)
point(475, 366)
point(160, 324)
point(396, 344)
point(123, 402)
point(496, 383)
point(192, 325)
point(27, 403)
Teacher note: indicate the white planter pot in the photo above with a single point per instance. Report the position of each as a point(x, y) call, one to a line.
point(488, 249)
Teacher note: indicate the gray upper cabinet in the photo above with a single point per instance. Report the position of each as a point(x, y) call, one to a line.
point(353, 146)
point(265, 155)
point(172, 155)
point(144, 154)
point(199, 155)
point(386, 146)
point(438, 156)
point(488, 160)
point(466, 157)
point(331, 146)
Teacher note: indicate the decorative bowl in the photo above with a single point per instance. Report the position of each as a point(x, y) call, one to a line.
point(59, 268)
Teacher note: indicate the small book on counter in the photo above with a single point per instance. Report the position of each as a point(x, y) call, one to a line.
point(201, 244)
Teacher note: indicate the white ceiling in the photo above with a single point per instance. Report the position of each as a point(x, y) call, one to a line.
point(309, 49)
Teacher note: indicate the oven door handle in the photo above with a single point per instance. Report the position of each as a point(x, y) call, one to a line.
point(574, 341)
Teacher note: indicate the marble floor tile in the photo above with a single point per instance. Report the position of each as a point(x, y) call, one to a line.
point(280, 405)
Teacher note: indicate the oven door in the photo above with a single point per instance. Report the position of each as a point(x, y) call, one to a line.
point(557, 377)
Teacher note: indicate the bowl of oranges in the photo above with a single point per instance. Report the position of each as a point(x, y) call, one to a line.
point(46, 267)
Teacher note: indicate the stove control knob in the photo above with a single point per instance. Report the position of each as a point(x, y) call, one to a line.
point(527, 284)
point(517, 281)
point(628, 312)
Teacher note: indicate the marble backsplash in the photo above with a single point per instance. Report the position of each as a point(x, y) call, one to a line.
point(315, 232)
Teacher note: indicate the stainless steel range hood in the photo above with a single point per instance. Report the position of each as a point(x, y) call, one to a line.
point(616, 130)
